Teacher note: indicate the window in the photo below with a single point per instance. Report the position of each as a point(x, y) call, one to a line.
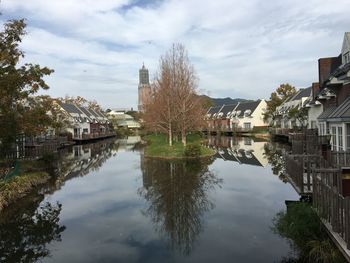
point(246, 125)
point(348, 136)
point(334, 138)
point(340, 138)
point(321, 129)
point(85, 130)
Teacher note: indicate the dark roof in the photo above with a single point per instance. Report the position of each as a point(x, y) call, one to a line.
point(100, 113)
point(341, 70)
point(302, 93)
point(70, 108)
point(250, 159)
point(324, 115)
point(247, 106)
point(93, 113)
point(213, 110)
point(84, 110)
point(228, 108)
point(289, 98)
point(239, 156)
point(342, 112)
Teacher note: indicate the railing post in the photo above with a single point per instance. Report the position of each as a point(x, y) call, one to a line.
point(347, 220)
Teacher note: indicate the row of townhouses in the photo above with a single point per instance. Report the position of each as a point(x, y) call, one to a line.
point(243, 116)
point(83, 122)
point(327, 102)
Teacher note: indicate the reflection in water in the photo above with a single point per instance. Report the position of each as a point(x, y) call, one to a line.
point(243, 150)
point(24, 238)
point(177, 192)
point(275, 155)
point(80, 160)
point(27, 228)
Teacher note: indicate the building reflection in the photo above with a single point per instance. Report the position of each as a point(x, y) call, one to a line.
point(130, 143)
point(244, 150)
point(275, 153)
point(27, 227)
point(177, 193)
point(80, 160)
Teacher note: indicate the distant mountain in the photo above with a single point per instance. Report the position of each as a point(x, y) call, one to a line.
point(222, 101)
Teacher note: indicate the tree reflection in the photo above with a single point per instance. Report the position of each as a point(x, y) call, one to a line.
point(275, 155)
point(24, 238)
point(177, 192)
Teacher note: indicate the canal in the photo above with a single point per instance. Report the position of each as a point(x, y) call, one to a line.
point(107, 203)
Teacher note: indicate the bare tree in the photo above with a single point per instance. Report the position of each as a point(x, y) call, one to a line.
point(175, 106)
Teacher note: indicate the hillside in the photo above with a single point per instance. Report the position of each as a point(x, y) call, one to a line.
point(222, 101)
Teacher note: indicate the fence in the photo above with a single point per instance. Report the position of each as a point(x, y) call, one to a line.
point(312, 168)
point(331, 206)
point(91, 136)
point(299, 170)
point(340, 159)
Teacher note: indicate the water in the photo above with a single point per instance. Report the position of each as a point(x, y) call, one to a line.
point(110, 204)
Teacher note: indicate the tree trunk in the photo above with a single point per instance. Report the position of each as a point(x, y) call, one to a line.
point(183, 137)
point(170, 133)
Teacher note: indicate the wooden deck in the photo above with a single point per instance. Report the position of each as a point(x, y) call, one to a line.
point(93, 136)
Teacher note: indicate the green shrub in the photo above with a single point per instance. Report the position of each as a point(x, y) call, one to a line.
point(193, 150)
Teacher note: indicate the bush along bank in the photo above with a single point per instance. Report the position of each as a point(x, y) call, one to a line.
point(158, 146)
point(20, 186)
point(303, 228)
point(27, 176)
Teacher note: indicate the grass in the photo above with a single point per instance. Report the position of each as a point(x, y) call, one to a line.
point(19, 186)
point(31, 174)
point(158, 146)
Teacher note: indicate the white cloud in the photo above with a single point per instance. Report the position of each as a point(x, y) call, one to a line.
point(239, 48)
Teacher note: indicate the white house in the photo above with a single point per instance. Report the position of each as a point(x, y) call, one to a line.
point(83, 121)
point(241, 116)
point(249, 115)
point(335, 98)
point(122, 119)
point(298, 100)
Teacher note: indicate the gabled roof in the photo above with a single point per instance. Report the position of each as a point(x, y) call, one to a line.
point(213, 110)
point(243, 106)
point(324, 115)
point(70, 108)
point(85, 110)
point(93, 113)
point(341, 70)
point(302, 93)
point(228, 108)
point(342, 112)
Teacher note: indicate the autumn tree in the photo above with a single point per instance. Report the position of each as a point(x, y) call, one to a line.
point(277, 97)
point(80, 101)
point(298, 114)
point(19, 112)
point(175, 106)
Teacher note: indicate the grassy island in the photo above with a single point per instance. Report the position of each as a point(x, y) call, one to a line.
point(158, 146)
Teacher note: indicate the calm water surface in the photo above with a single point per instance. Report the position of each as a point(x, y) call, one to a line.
point(110, 204)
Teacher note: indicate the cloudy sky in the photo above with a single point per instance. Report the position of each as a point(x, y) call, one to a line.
point(239, 48)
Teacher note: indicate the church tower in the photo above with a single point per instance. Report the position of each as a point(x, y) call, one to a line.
point(144, 88)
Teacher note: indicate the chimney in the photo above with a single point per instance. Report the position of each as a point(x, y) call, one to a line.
point(315, 89)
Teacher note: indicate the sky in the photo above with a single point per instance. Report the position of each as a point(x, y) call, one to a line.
point(239, 49)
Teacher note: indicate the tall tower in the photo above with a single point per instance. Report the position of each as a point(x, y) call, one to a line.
point(144, 88)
